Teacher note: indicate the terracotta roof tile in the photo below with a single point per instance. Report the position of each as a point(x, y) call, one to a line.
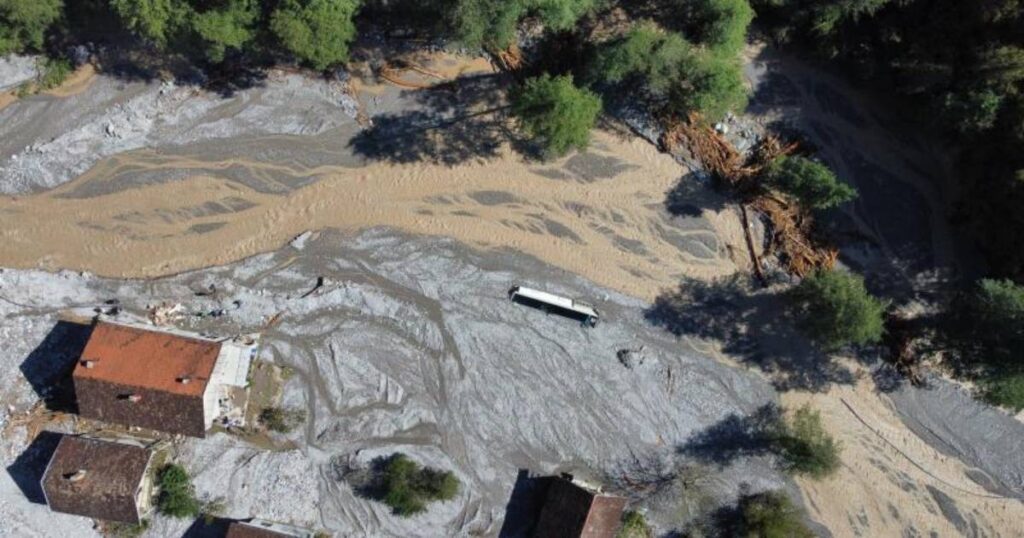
point(154, 360)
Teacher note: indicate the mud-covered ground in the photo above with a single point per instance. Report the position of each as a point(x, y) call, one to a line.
point(411, 344)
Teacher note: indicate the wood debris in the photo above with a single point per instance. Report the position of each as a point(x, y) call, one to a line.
point(792, 228)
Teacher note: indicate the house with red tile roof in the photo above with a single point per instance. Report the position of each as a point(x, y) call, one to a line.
point(158, 379)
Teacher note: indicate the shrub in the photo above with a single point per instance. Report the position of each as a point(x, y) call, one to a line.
point(556, 113)
point(316, 31)
point(985, 332)
point(634, 525)
point(407, 488)
point(812, 183)
point(834, 309)
point(281, 420)
point(232, 26)
point(770, 515)
point(492, 23)
point(720, 24)
point(177, 496)
point(53, 72)
point(806, 448)
point(117, 529)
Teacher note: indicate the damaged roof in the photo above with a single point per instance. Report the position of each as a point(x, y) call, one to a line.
point(95, 478)
point(572, 511)
point(155, 360)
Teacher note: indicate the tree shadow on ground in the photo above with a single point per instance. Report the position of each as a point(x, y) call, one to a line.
point(691, 196)
point(451, 123)
point(524, 505)
point(27, 469)
point(209, 527)
point(736, 437)
point(754, 327)
point(48, 367)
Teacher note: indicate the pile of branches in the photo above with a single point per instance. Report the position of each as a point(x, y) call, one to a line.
point(792, 232)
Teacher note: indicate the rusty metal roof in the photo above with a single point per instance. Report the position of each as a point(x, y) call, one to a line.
point(155, 360)
point(571, 511)
point(95, 478)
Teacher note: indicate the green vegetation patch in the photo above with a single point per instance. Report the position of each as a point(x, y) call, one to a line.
point(177, 496)
point(810, 182)
point(634, 525)
point(555, 113)
point(835, 309)
point(770, 515)
point(407, 487)
point(805, 447)
point(317, 32)
point(281, 420)
point(24, 23)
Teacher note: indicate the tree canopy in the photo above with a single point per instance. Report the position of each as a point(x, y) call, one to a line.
point(810, 182)
point(177, 496)
point(770, 514)
point(316, 31)
point(672, 72)
point(407, 487)
point(555, 113)
point(23, 23)
point(834, 309)
point(492, 23)
point(806, 448)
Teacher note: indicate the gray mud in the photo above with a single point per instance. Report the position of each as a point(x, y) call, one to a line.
point(412, 345)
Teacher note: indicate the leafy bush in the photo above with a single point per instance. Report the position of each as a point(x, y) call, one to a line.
point(316, 31)
point(812, 183)
point(556, 113)
point(53, 72)
point(407, 487)
point(834, 309)
point(987, 335)
point(117, 529)
point(634, 525)
point(177, 496)
point(23, 23)
point(806, 448)
point(281, 420)
point(770, 515)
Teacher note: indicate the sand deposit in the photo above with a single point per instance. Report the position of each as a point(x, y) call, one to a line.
point(290, 156)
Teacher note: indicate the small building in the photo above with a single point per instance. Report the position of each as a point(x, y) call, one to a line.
point(159, 379)
point(261, 528)
point(105, 480)
point(573, 509)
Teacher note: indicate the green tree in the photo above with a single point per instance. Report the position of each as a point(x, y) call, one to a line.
point(711, 85)
point(155, 20)
point(232, 26)
point(835, 310)
point(770, 515)
point(407, 488)
point(492, 23)
point(556, 113)
point(316, 31)
point(177, 496)
point(812, 183)
point(987, 334)
point(720, 24)
point(806, 448)
point(645, 52)
point(23, 23)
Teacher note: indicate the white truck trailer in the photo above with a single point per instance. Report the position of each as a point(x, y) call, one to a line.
point(549, 302)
